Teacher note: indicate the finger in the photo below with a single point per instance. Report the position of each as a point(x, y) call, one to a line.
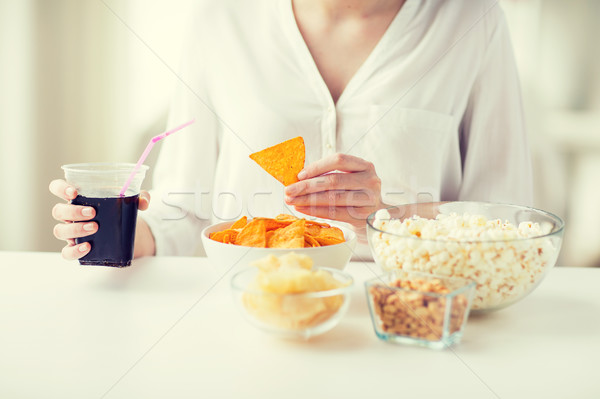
point(144, 201)
point(341, 162)
point(354, 215)
point(62, 189)
point(67, 231)
point(331, 181)
point(72, 213)
point(333, 198)
point(72, 252)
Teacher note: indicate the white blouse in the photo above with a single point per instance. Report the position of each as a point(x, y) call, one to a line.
point(436, 107)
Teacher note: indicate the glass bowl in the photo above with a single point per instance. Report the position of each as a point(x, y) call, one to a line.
point(505, 266)
point(300, 315)
point(419, 308)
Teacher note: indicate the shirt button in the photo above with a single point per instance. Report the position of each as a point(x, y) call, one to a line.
point(329, 146)
point(330, 109)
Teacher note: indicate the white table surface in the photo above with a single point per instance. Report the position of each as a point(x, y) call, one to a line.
point(168, 328)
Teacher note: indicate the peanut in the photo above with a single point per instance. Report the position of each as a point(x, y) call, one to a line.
point(416, 314)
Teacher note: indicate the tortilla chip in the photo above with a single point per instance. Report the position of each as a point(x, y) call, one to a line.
point(224, 236)
point(284, 217)
point(272, 224)
point(315, 223)
point(332, 232)
point(310, 241)
point(313, 230)
point(291, 236)
point(252, 235)
point(217, 236)
point(330, 236)
point(230, 236)
point(268, 236)
point(325, 241)
point(282, 161)
point(285, 231)
point(240, 223)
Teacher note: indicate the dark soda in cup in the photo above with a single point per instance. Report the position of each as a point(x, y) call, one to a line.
point(98, 186)
point(112, 244)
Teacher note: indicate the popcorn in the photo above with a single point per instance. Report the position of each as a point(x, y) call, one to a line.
point(505, 260)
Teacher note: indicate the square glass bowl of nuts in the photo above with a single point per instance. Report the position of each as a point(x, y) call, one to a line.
point(419, 308)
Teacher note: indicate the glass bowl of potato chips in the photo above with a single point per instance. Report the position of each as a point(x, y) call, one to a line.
point(245, 240)
point(288, 297)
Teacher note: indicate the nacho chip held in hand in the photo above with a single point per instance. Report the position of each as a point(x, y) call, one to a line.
point(284, 231)
point(282, 161)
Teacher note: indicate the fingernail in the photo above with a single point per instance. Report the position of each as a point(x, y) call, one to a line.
point(88, 226)
point(87, 211)
point(302, 175)
point(70, 191)
point(83, 247)
point(291, 190)
point(288, 200)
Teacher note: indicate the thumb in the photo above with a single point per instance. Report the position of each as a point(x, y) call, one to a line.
point(144, 200)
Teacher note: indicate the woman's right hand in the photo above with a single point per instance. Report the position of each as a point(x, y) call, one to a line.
point(75, 219)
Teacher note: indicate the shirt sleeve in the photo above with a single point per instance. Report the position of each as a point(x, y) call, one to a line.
point(494, 145)
point(184, 174)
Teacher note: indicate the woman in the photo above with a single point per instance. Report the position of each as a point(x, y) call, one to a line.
point(411, 100)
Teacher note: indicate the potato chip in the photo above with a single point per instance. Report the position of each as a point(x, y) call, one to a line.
point(282, 161)
point(292, 274)
point(252, 235)
point(240, 223)
point(291, 236)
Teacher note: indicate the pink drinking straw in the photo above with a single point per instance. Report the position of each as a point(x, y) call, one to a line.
point(147, 151)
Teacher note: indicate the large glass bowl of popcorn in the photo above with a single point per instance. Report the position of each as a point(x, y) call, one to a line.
point(506, 249)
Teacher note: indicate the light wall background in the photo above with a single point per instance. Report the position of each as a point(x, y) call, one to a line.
point(91, 81)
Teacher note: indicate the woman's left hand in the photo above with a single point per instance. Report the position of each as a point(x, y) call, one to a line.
point(348, 196)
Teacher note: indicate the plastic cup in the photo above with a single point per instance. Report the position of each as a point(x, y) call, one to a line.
point(98, 185)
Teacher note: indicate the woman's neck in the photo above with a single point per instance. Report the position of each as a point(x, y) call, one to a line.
point(336, 9)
